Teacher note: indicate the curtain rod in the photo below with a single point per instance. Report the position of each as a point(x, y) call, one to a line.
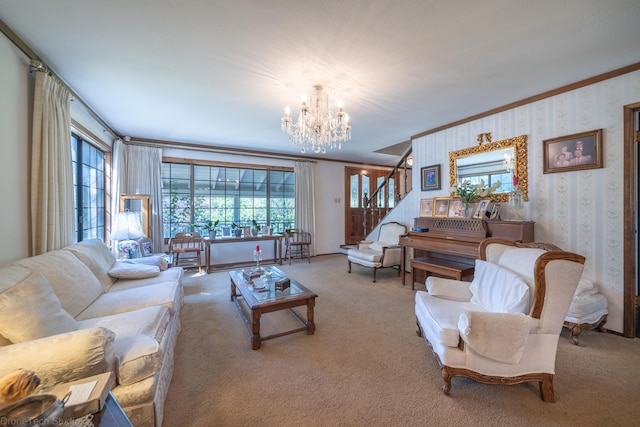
point(40, 65)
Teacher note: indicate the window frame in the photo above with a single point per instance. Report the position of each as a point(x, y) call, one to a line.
point(277, 209)
point(92, 178)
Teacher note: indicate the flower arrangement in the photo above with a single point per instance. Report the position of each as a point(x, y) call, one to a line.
point(470, 193)
point(128, 247)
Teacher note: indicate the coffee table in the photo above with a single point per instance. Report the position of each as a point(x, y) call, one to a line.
point(268, 299)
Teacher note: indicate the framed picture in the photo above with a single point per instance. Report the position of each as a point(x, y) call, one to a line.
point(146, 249)
point(456, 208)
point(441, 206)
point(495, 211)
point(481, 209)
point(430, 177)
point(426, 207)
point(573, 152)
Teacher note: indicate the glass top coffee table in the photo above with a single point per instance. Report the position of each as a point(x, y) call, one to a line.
point(272, 291)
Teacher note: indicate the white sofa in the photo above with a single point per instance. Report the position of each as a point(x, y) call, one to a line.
point(63, 316)
point(502, 328)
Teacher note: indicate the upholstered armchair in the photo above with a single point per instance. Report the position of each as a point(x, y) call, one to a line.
point(382, 253)
point(504, 327)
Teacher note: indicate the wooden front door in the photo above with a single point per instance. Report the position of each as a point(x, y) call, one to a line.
point(360, 183)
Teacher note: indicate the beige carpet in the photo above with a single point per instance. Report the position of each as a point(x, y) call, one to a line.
point(365, 366)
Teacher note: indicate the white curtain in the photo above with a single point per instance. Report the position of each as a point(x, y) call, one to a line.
point(52, 204)
point(138, 170)
point(305, 199)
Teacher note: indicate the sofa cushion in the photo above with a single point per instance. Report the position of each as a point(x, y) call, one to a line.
point(173, 274)
point(30, 310)
point(139, 335)
point(73, 283)
point(97, 256)
point(124, 270)
point(157, 260)
point(168, 294)
point(499, 290)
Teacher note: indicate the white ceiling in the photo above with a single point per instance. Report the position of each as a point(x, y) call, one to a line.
point(220, 72)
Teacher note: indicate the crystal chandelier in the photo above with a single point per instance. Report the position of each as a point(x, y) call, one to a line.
point(317, 127)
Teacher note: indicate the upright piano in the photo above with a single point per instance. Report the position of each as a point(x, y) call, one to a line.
point(449, 246)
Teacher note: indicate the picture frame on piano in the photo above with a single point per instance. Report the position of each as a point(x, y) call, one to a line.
point(481, 209)
point(495, 211)
point(441, 206)
point(456, 208)
point(426, 207)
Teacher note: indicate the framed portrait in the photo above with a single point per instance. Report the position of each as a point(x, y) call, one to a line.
point(495, 211)
point(456, 208)
point(146, 246)
point(573, 152)
point(430, 177)
point(481, 209)
point(426, 207)
point(441, 206)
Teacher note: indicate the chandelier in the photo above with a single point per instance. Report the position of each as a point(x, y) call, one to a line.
point(317, 127)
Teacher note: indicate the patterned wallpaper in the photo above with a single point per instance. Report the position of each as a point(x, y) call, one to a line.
point(579, 211)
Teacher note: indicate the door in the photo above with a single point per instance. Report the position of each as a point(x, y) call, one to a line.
point(362, 213)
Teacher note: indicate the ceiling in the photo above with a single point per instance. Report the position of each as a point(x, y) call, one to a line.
point(221, 72)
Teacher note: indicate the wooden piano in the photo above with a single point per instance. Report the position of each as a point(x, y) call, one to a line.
point(450, 246)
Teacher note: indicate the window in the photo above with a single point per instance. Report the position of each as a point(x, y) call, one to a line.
point(195, 194)
point(88, 185)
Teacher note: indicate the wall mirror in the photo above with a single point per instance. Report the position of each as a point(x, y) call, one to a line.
point(138, 204)
point(489, 159)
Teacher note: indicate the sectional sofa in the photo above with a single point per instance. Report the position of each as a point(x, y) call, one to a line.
point(77, 312)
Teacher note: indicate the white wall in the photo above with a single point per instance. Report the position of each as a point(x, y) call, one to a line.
point(16, 89)
point(578, 211)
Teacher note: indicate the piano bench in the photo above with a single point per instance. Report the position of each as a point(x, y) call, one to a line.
point(443, 267)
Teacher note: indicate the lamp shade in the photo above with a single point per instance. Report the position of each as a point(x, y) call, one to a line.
point(127, 226)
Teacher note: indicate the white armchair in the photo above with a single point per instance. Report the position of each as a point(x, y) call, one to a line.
point(384, 252)
point(504, 327)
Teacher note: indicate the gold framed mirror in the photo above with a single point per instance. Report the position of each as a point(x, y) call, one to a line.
point(139, 204)
point(493, 152)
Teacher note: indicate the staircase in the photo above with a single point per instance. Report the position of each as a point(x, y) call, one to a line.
point(378, 206)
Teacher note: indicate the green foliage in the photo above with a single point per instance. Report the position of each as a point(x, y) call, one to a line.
point(470, 193)
point(208, 226)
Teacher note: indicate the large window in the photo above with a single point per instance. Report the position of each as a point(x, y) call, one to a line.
point(88, 185)
point(194, 194)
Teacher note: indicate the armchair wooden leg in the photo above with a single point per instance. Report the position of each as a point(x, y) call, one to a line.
point(546, 388)
point(349, 266)
point(446, 378)
point(374, 274)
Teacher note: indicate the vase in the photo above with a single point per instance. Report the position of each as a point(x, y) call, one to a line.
point(212, 234)
point(468, 210)
point(516, 203)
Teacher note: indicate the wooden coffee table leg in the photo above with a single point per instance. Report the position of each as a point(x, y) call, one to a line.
point(255, 329)
point(311, 327)
point(233, 290)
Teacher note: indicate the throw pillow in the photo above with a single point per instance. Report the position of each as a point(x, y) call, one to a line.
point(157, 260)
point(30, 310)
point(499, 290)
point(124, 270)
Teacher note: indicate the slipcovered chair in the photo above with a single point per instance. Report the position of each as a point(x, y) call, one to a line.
point(382, 253)
point(504, 327)
point(588, 310)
